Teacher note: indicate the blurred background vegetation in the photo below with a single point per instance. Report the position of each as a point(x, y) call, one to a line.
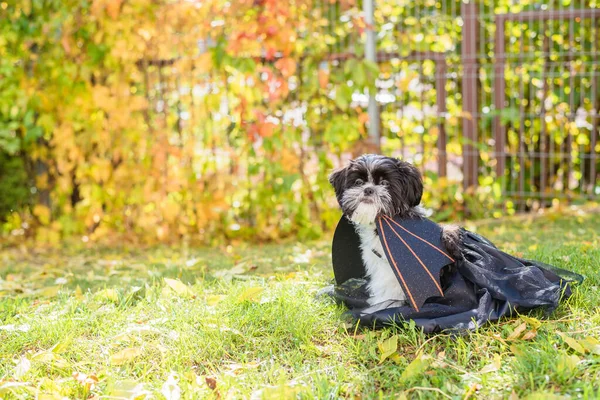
point(157, 120)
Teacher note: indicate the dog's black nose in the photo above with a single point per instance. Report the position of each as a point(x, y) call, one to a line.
point(369, 191)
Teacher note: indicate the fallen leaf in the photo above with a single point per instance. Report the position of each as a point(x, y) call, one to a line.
point(493, 366)
point(88, 381)
point(572, 343)
point(179, 287)
point(416, 367)
point(534, 322)
point(50, 396)
point(50, 291)
point(250, 294)
point(214, 299)
point(9, 387)
point(108, 294)
point(14, 328)
point(21, 368)
point(567, 363)
point(60, 347)
point(517, 332)
point(591, 344)
point(387, 347)
point(529, 335)
point(211, 382)
point(127, 390)
point(170, 389)
point(515, 350)
point(50, 358)
point(125, 355)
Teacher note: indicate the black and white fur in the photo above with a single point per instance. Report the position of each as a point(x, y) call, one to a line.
point(374, 185)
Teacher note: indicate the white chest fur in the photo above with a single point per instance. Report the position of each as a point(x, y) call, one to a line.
point(383, 284)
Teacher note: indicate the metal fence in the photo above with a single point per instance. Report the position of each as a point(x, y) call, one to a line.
point(508, 92)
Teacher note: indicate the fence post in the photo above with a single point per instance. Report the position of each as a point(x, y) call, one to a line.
point(371, 55)
point(469, 92)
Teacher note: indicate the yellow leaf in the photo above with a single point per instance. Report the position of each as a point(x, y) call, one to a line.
point(591, 344)
point(78, 293)
point(214, 299)
point(127, 389)
point(416, 367)
point(494, 366)
point(572, 343)
point(387, 347)
point(22, 368)
point(49, 357)
point(125, 355)
point(534, 322)
point(250, 294)
point(515, 350)
point(566, 363)
point(60, 347)
point(108, 294)
point(50, 396)
point(533, 247)
point(49, 291)
point(179, 287)
point(517, 332)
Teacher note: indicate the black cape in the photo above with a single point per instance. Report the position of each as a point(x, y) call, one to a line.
point(413, 248)
point(483, 286)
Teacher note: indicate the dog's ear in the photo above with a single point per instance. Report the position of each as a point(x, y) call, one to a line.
point(411, 182)
point(338, 180)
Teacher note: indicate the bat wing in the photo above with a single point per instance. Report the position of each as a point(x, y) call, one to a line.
point(416, 254)
point(345, 253)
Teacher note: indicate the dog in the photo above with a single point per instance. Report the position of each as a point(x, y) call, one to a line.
point(373, 185)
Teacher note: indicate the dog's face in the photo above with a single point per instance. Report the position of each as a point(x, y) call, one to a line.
point(374, 185)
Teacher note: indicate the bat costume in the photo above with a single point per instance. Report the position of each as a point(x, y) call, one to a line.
point(442, 293)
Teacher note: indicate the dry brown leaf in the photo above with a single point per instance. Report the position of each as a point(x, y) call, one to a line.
point(529, 335)
point(517, 332)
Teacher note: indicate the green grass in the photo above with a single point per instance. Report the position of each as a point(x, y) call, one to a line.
point(258, 331)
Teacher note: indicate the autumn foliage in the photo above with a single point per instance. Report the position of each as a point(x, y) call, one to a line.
point(157, 120)
point(204, 120)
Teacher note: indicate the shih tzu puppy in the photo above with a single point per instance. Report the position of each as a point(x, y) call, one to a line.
point(374, 185)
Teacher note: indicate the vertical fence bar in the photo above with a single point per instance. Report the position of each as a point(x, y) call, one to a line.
point(499, 97)
point(440, 85)
point(469, 92)
point(544, 135)
point(595, 77)
point(370, 55)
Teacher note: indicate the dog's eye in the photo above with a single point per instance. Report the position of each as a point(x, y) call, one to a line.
point(359, 182)
point(383, 182)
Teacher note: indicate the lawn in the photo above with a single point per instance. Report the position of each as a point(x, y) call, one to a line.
point(243, 322)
